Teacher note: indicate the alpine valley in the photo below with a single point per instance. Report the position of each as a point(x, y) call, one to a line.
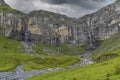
point(43, 45)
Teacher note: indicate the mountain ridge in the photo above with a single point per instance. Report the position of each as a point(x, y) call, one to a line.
point(2, 3)
point(54, 29)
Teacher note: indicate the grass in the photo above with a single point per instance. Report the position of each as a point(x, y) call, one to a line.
point(51, 62)
point(72, 49)
point(42, 49)
point(9, 9)
point(63, 49)
point(10, 54)
point(109, 47)
point(108, 70)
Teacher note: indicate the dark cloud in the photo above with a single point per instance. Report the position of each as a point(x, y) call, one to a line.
point(87, 4)
point(69, 1)
point(72, 8)
point(103, 0)
point(55, 1)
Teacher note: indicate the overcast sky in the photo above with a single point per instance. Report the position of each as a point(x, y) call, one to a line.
point(72, 8)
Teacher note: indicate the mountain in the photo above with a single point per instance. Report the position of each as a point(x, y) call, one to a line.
point(60, 43)
point(2, 3)
point(54, 29)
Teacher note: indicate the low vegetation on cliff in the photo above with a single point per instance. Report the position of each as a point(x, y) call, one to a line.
point(9, 9)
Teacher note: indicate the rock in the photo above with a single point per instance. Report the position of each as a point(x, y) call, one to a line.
point(53, 28)
point(2, 3)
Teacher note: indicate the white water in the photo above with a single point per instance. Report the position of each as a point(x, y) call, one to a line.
point(90, 40)
point(26, 35)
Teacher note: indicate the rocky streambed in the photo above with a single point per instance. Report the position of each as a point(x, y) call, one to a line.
point(19, 74)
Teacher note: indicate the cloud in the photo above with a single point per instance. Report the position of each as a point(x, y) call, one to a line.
point(72, 8)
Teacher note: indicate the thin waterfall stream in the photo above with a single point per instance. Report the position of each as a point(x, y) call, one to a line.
point(90, 40)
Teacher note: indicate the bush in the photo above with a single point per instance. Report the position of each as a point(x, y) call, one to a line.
point(107, 76)
point(75, 79)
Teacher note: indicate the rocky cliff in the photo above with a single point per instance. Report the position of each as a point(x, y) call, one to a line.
point(2, 3)
point(54, 29)
point(10, 21)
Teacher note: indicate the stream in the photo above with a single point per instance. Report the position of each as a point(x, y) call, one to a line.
point(19, 74)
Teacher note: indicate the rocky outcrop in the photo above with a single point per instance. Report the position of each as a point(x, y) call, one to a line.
point(104, 22)
point(86, 30)
point(54, 29)
point(11, 24)
point(11, 21)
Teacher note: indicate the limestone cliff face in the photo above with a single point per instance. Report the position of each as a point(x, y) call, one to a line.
point(54, 29)
point(86, 30)
point(104, 22)
point(11, 22)
point(8, 23)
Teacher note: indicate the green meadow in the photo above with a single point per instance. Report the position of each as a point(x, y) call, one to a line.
point(11, 56)
point(106, 66)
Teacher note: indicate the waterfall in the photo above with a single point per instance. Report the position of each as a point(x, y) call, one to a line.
point(90, 40)
point(25, 30)
point(74, 32)
point(26, 35)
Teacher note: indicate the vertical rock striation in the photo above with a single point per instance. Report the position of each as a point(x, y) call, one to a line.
point(54, 29)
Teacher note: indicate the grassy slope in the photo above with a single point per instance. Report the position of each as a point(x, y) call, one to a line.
point(61, 59)
point(64, 49)
point(9, 9)
point(108, 70)
point(51, 62)
point(10, 55)
point(72, 50)
point(108, 47)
